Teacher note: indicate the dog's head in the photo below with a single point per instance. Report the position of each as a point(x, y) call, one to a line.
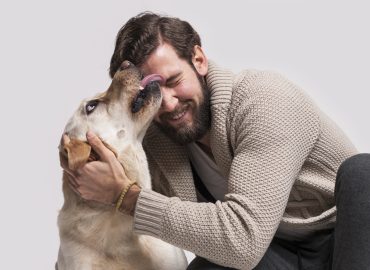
point(120, 116)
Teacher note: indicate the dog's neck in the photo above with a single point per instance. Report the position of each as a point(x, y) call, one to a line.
point(133, 157)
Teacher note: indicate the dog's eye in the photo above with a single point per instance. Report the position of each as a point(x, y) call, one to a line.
point(91, 106)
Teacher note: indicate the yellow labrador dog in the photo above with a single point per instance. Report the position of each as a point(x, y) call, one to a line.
point(94, 236)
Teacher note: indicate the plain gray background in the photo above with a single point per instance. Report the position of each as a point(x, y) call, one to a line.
point(55, 53)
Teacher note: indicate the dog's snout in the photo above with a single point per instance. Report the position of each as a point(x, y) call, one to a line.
point(126, 64)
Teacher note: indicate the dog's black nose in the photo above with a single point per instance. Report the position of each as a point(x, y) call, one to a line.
point(126, 64)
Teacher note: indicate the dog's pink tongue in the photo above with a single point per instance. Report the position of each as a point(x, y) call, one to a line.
point(151, 78)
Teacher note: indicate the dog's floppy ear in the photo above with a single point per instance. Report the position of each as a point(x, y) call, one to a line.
point(76, 152)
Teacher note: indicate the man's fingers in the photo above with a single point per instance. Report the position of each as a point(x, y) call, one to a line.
point(104, 153)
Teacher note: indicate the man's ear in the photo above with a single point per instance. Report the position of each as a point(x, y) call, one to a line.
point(76, 152)
point(200, 60)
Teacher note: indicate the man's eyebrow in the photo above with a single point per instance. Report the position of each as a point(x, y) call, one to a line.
point(173, 77)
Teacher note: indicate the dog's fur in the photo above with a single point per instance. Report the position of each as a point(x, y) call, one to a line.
point(94, 236)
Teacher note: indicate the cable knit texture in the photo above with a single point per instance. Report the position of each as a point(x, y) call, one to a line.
point(280, 154)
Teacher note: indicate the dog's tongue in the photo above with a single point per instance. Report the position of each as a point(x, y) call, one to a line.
point(151, 78)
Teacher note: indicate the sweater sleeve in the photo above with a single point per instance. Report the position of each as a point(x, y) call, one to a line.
point(273, 129)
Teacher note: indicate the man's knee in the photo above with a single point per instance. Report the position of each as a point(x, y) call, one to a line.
point(355, 163)
point(354, 175)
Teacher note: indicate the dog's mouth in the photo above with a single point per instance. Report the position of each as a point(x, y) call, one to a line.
point(148, 84)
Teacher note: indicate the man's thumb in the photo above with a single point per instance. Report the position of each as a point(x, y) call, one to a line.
point(98, 146)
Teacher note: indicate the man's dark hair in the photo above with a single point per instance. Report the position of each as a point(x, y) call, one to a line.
point(142, 34)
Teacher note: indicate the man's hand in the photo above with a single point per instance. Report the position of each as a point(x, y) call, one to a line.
point(102, 180)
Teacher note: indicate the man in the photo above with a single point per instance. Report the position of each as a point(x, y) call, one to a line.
point(243, 165)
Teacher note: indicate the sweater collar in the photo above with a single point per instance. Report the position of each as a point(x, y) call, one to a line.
point(220, 84)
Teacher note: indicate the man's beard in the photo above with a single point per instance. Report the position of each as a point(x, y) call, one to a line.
point(201, 120)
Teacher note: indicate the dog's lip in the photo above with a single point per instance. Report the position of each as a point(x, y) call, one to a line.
point(151, 78)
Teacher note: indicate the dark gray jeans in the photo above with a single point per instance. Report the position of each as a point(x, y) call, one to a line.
point(346, 247)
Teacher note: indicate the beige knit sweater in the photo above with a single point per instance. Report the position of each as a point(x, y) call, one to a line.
point(280, 154)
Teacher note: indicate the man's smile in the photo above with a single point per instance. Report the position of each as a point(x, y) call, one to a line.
point(177, 116)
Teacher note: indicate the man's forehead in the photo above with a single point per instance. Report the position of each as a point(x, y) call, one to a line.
point(167, 71)
point(164, 61)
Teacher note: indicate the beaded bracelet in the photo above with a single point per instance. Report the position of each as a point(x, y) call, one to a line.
point(122, 195)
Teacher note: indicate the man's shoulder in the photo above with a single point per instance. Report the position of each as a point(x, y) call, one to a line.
point(266, 86)
point(220, 75)
point(255, 78)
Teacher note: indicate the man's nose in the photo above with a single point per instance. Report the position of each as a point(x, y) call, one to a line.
point(169, 99)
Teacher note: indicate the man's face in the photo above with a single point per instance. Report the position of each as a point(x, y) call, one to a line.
point(184, 114)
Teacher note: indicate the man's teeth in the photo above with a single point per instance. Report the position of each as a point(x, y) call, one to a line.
point(176, 117)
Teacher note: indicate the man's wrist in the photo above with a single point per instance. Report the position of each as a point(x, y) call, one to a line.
point(129, 201)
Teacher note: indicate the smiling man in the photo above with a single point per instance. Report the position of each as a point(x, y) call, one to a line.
point(244, 166)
